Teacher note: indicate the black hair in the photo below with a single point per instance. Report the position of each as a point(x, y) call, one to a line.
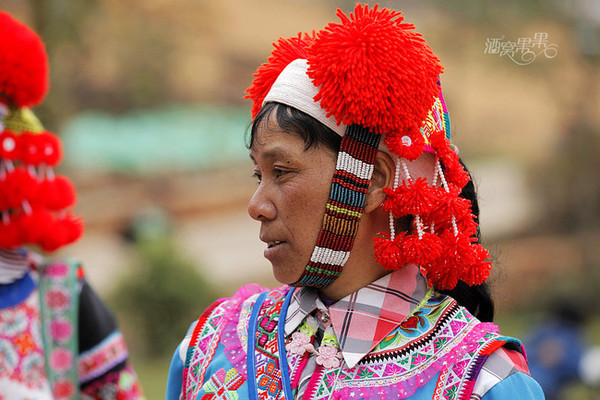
point(312, 132)
point(477, 299)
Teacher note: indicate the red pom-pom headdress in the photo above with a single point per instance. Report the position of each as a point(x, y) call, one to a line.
point(34, 201)
point(373, 76)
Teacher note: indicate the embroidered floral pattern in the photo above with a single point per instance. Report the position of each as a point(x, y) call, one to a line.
point(58, 286)
point(109, 353)
point(440, 335)
point(21, 351)
point(223, 385)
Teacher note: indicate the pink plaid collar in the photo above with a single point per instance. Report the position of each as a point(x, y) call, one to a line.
point(364, 318)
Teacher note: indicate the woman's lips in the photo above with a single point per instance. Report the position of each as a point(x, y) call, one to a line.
point(273, 248)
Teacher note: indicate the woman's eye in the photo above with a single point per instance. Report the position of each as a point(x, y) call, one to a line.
point(257, 176)
point(278, 172)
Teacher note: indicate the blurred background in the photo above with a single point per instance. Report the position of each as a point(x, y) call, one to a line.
point(147, 97)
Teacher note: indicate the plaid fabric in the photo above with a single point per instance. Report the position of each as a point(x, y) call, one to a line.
point(364, 318)
point(500, 365)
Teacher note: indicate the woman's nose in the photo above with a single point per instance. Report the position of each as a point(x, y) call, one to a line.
point(260, 207)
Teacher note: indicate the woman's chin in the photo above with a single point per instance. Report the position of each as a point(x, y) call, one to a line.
point(286, 276)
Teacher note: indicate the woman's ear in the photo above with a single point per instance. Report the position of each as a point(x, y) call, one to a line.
point(384, 169)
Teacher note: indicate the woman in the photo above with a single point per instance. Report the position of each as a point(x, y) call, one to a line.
point(359, 200)
point(57, 339)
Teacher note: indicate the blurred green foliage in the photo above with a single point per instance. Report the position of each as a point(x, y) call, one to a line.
point(161, 297)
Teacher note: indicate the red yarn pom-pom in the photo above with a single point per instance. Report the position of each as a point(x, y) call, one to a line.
point(9, 145)
point(477, 272)
point(443, 273)
point(9, 235)
point(454, 172)
point(17, 186)
point(388, 252)
point(32, 152)
point(35, 225)
point(285, 51)
point(449, 204)
point(411, 198)
point(375, 71)
point(58, 193)
point(62, 231)
point(50, 148)
point(421, 251)
point(408, 147)
point(24, 72)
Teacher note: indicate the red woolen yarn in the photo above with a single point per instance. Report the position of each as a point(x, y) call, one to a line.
point(408, 147)
point(57, 193)
point(24, 72)
point(9, 145)
point(421, 250)
point(50, 148)
point(64, 230)
point(367, 64)
point(285, 51)
point(388, 252)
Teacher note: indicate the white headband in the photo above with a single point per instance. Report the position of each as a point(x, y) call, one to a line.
point(294, 88)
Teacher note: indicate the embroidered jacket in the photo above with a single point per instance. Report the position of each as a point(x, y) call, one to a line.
point(58, 340)
point(387, 344)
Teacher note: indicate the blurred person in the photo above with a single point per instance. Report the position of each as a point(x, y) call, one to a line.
point(57, 339)
point(369, 220)
point(556, 348)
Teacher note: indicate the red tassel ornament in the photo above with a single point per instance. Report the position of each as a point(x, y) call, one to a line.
point(366, 65)
point(454, 172)
point(57, 193)
point(63, 230)
point(421, 250)
point(34, 225)
point(478, 272)
point(32, 152)
point(17, 186)
point(10, 235)
point(285, 51)
point(388, 252)
point(411, 198)
point(9, 145)
point(408, 147)
point(24, 72)
point(50, 148)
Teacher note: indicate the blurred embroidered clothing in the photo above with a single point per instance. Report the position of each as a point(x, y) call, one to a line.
point(58, 340)
point(394, 338)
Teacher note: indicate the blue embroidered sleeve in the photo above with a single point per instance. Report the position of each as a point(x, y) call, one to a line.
point(517, 386)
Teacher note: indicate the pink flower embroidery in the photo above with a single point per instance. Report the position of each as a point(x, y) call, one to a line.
point(57, 299)
point(328, 357)
point(61, 330)
point(299, 343)
point(61, 359)
point(63, 389)
point(57, 270)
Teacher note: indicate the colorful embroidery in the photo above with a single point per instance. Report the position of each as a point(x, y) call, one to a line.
point(223, 385)
point(109, 353)
point(438, 335)
point(268, 371)
point(201, 350)
point(121, 385)
point(59, 307)
point(21, 351)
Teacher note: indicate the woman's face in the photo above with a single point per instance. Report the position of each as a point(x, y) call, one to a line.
point(293, 189)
